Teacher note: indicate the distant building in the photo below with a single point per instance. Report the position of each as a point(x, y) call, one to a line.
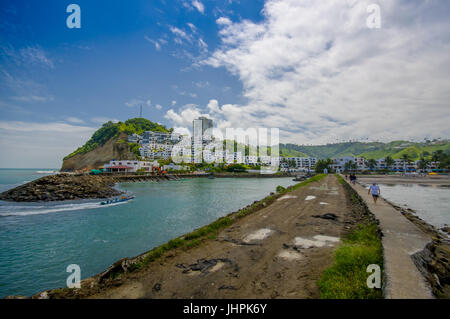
point(127, 166)
point(199, 129)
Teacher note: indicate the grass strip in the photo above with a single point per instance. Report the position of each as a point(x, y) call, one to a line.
point(347, 277)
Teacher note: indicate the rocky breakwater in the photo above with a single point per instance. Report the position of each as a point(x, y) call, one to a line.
point(62, 187)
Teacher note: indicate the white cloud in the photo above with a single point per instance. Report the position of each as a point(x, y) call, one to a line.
point(75, 120)
point(317, 72)
point(45, 144)
point(213, 106)
point(138, 102)
point(154, 42)
point(26, 56)
point(36, 55)
point(158, 106)
point(199, 6)
point(180, 35)
point(201, 84)
point(33, 98)
point(185, 116)
point(181, 130)
point(223, 21)
point(42, 127)
point(102, 120)
point(192, 27)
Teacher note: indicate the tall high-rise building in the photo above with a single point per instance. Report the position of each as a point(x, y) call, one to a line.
point(199, 127)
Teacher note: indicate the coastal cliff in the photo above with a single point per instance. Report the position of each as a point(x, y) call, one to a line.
point(114, 148)
point(109, 142)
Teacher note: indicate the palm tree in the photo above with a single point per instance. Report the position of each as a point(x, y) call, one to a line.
point(423, 164)
point(406, 160)
point(389, 161)
point(372, 163)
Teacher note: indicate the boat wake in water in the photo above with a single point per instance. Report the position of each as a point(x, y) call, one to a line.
point(20, 209)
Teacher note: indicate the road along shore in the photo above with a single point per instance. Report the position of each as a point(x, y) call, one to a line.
point(274, 248)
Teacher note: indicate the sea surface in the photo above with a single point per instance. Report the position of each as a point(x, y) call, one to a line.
point(39, 240)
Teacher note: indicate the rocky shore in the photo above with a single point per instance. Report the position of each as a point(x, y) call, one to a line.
point(62, 187)
point(82, 186)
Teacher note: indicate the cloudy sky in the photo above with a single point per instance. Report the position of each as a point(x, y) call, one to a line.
point(316, 69)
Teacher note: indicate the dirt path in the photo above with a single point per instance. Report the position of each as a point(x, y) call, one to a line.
point(272, 253)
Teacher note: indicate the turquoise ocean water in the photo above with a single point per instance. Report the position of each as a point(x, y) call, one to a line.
point(39, 240)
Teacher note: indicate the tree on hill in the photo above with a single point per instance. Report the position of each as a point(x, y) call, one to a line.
point(406, 158)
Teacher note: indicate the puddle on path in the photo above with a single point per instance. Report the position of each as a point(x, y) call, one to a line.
point(317, 241)
point(290, 255)
point(260, 234)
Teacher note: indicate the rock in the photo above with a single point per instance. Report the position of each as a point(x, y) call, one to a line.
point(227, 287)
point(62, 187)
point(44, 295)
point(330, 216)
point(156, 287)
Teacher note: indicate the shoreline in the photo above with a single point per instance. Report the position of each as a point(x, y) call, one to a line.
point(234, 261)
point(111, 277)
point(61, 187)
point(392, 179)
point(125, 271)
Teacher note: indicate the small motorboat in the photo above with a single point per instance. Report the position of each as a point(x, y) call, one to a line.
point(117, 200)
point(299, 178)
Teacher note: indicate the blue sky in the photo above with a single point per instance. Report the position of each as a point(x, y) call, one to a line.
point(312, 68)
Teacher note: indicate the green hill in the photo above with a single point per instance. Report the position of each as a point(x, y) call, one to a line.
point(372, 150)
point(113, 130)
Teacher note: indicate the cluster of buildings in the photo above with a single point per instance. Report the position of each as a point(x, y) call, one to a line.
point(201, 147)
point(171, 146)
point(360, 164)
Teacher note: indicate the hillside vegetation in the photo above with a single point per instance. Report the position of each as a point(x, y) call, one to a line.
point(113, 130)
point(372, 150)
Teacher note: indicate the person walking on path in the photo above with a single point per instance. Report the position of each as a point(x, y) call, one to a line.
point(374, 189)
point(353, 178)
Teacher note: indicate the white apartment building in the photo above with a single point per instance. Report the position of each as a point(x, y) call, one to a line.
point(127, 166)
point(301, 162)
point(341, 162)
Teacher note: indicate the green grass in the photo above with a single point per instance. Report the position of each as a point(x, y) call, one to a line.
point(346, 278)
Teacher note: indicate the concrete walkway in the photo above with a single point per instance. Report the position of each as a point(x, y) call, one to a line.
point(401, 240)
